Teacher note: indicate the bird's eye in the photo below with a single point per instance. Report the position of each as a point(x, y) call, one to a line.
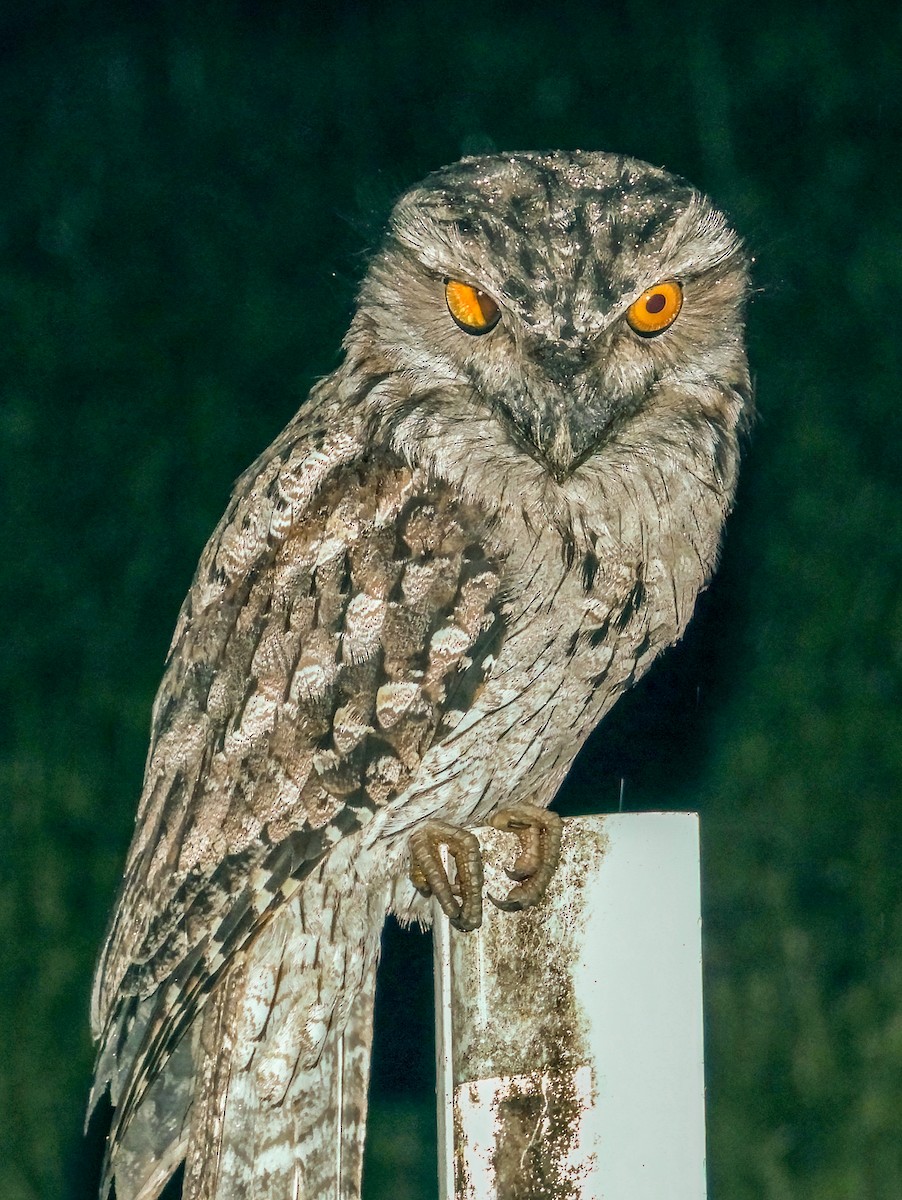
point(656, 309)
point(474, 311)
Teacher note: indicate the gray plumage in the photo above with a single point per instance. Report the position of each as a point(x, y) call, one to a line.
point(419, 602)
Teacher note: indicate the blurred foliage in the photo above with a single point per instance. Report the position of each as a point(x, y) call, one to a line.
point(188, 191)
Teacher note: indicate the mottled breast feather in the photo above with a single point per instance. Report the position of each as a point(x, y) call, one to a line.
point(304, 686)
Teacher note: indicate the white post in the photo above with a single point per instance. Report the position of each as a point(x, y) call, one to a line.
point(569, 1037)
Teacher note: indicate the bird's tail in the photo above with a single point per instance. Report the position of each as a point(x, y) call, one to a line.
point(250, 1141)
point(277, 1066)
point(283, 1063)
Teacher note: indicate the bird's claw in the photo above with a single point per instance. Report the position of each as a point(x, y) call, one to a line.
point(461, 900)
point(539, 833)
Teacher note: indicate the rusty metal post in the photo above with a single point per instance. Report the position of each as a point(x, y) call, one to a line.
point(569, 1037)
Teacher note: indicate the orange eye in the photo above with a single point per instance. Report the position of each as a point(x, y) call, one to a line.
point(656, 309)
point(474, 311)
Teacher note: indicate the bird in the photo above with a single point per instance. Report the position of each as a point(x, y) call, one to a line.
point(476, 534)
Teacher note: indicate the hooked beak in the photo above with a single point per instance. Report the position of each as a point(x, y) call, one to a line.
point(564, 444)
point(559, 454)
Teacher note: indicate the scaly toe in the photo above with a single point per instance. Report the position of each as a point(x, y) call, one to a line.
point(460, 901)
point(539, 834)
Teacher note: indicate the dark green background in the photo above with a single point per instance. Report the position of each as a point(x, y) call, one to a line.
point(187, 195)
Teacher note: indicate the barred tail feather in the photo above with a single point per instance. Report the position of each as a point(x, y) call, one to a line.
point(154, 1143)
point(264, 1095)
point(306, 1145)
point(281, 1091)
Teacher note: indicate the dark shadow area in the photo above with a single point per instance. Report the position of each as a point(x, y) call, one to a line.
point(402, 1083)
point(650, 750)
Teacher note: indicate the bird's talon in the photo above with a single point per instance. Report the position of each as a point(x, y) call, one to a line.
point(460, 900)
point(539, 834)
point(506, 905)
point(514, 875)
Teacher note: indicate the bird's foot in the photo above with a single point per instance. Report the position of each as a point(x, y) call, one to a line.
point(539, 833)
point(461, 901)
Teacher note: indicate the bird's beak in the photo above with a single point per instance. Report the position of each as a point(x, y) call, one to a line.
point(558, 452)
point(573, 437)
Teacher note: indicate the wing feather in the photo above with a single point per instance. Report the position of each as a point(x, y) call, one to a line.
point(338, 600)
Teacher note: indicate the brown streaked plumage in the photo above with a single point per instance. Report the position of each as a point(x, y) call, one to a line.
point(475, 535)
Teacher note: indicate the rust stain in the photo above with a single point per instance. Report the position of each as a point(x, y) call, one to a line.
point(514, 1014)
point(462, 1187)
point(537, 1135)
point(514, 975)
